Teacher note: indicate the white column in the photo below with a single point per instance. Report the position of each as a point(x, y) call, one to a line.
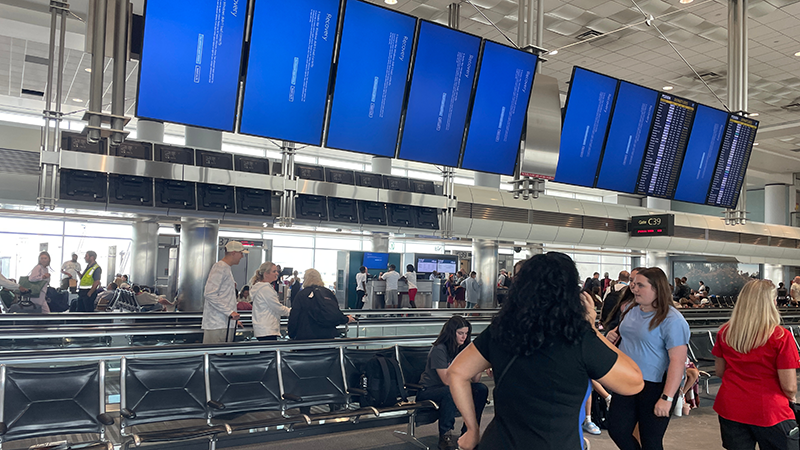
point(203, 138)
point(144, 252)
point(657, 203)
point(484, 263)
point(149, 131)
point(487, 180)
point(382, 165)
point(660, 260)
point(199, 250)
point(775, 204)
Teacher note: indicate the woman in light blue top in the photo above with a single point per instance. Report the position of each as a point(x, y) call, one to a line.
point(655, 335)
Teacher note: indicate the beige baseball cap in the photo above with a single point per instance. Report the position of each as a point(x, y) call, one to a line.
point(235, 246)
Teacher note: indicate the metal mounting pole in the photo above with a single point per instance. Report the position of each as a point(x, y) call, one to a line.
point(120, 62)
point(98, 61)
point(289, 194)
point(738, 69)
point(449, 173)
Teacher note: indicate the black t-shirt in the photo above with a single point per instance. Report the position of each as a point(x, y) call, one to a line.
point(437, 359)
point(539, 399)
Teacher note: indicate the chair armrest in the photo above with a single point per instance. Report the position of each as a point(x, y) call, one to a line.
point(127, 413)
point(215, 404)
point(418, 387)
point(292, 397)
point(105, 419)
point(3, 428)
point(703, 373)
point(356, 391)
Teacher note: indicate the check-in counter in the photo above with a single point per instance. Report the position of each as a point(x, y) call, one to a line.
point(427, 296)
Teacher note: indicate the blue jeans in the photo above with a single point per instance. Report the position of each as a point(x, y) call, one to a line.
point(447, 408)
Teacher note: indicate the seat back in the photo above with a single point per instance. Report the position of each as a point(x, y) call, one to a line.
point(51, 400)
point(701, 346)
point(157, 390)
point(355, 362)
point(313, 375)
point(244, 382)
point(412, 362)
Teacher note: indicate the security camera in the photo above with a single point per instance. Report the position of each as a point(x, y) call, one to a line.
point(517, 249)
point(177, 227)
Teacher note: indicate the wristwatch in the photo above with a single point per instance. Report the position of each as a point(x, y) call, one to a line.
point(665, 397)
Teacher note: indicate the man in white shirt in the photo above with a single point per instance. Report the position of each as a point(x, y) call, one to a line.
point(795, 291)
point(391, 277)
point(472, 290)
point(220, 295)
point(361, 286)
point(70, 270)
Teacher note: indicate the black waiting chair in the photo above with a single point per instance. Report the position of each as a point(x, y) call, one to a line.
point(41, 402)
point(164, 391)
point(700, 346)
point(241, 384)
point(412, 362)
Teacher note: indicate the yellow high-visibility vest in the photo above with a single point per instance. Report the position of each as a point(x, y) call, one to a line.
point(87, 280)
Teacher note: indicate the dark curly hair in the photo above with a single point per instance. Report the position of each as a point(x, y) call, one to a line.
point(543, 305)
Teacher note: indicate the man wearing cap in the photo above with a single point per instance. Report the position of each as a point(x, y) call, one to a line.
point(70, 270)
point(220, 295)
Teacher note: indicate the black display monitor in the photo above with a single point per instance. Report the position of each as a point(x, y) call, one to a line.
point(373, 180)
point(343, 210)
point(216, 160)
point(289, 69)
point(586, 116)
point(441, 89)
point(340, 176)
point(395, 183)
point(498, 110)
point(666, 147)
point(215, 197)
point(84, 186)
point(422, 187)
point(312, 207)
point(255, 202)
point(702, 153)
point(427, 218)
point(251, 164)
point(77, 143)
point(175, 194)
point(316, 173)
point(737, 146)
point(401, 215)
point(371, 72)
point(132, 149)
point(174, 155)
point(627, 136)
point(191, 58)
point(372, 213)
point(130, 190)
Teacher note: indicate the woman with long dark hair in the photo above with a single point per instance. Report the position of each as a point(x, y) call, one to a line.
point(543, 353)
point(655, 335)
point(454, 337)
point(757, 360)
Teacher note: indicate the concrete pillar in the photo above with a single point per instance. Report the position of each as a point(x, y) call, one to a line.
point(144, 252)
point(198, 252)
point(775, 204)
point(661, 260)
point(203, 138)
point(774, 272)
point(484, 262)
point(380, 242)
point(150, 131)
point(487, 180)
point(382, 165)
point(657, 203)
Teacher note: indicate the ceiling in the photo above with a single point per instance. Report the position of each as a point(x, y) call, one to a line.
point(636, 53)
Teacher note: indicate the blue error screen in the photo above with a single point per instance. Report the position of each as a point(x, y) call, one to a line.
point(441, 88)
point(191, 59)
point(498, 112)
point(371, 79)
point(289, 69)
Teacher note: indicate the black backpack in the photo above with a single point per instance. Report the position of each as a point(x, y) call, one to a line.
point(599, 411)
point(383, 382)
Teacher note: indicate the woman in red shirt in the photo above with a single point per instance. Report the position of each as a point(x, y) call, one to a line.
point(757, 361)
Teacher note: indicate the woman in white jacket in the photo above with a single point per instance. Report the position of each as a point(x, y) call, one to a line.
point(267, 310)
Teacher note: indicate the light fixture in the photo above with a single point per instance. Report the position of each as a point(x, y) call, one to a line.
point(755, 143)
point(752, 115)
point(390, 2)
point(683, 2)
point(797, 54)
point(668, 88)
point(77, 100)
point(554, 52)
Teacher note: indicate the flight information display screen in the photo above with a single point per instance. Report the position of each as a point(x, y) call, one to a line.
point(737, 145)
point(191, 58)
point(371, 79)
point(588, 110)
point(441, 88)
point(627, 137)
point(498, 112)
point(701, 155)
point(666, 147)
point(289, 69)
point(426, 265)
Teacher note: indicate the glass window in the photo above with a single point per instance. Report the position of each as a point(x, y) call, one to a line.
point(325, 261)
point(101, 246)
point(299, 259)
point(339, 244)
point(89, 229)
point(33, 226)
point(21, 251)
point(291, 240)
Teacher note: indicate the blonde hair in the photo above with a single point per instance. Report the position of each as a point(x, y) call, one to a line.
point(754, 317)
point(259, 273)
point(311, 277)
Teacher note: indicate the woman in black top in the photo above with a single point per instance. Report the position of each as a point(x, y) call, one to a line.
point(315, 311)
point(543, 353)
point(454, 337)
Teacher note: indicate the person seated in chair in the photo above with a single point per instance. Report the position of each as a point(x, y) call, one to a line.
point(454, 337)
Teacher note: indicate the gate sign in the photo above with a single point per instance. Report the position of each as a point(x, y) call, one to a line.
point(654, 225)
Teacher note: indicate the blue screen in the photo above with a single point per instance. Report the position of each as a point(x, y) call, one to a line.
point(289, 69)
point(376, 260)
point(701, 155)
point(191, 58)
point(588, 110)
point(441, 87)
point(627, 136)
point(498, 113)
point(370, 79)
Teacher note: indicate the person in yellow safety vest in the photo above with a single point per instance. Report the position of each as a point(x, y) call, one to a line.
point(88, 284)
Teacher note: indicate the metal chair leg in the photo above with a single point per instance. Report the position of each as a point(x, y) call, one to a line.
point(410, 435)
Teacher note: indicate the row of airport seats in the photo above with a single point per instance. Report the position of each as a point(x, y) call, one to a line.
point(204, 397)
point(723, 301)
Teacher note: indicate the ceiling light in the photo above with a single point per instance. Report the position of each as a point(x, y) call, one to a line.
point(77, 100)
point(88, 69)
point(797, 54)
point(755, 143)
point(390, 2)
point(752, 115)
point(554, 52)
point(683, 2)
point(668, 88)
